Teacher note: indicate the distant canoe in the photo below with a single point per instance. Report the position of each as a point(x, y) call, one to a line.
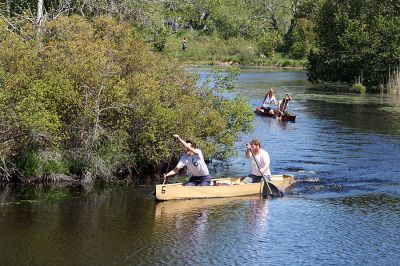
point(260, 111)
point(220, 188)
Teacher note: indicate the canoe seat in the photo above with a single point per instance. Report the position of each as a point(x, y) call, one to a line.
point(225, 181)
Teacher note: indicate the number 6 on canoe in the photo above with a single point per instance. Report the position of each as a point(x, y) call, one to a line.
point(273, 191)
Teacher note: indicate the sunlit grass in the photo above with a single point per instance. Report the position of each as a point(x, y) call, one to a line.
point(206, 50)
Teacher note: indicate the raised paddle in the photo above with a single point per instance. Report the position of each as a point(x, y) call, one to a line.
point(170, 157)
point(273, 191)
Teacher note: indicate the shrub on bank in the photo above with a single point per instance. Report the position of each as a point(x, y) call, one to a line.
point(339, 87)
point(96, 96)
point(358, 88)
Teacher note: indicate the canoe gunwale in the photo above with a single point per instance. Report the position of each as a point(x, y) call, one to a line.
point(227, 187)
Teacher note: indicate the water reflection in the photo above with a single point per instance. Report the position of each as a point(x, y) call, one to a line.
point(193, 227)
point(257, 215)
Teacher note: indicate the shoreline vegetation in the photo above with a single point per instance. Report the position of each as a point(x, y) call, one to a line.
point(95, 90)
point(89, 100)
point(234, 52)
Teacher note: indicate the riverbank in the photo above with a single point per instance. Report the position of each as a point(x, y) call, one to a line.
point(236, 51)
point(264, 63)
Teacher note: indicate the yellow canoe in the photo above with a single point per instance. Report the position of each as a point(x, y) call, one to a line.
point(219, 188)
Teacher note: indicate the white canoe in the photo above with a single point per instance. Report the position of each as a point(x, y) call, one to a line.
point(219, 188)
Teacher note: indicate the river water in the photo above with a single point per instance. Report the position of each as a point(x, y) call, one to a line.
point(344, 209)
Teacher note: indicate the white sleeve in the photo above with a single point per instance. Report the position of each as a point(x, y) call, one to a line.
point(182, 162)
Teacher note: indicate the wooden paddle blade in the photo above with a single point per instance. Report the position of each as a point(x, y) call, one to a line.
point(270, 190)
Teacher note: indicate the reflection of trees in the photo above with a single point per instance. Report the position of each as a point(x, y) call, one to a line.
point(5, 194)
point(72, 229)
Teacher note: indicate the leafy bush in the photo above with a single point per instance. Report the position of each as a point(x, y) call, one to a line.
point(339, 87)
point(100, 99)
point(37, 164)
point(358, 88)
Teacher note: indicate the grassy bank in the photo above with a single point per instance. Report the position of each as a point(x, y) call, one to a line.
point(207, 50)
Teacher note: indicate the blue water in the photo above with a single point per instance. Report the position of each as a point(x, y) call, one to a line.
point(344, 151)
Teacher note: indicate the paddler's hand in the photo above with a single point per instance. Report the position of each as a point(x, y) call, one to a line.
point(248, 146)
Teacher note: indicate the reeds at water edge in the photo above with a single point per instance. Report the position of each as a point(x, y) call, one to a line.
point(393, 85)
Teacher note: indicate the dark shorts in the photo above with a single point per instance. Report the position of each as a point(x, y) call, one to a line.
point(267, 109)
point(198, 181)
point(254, 179)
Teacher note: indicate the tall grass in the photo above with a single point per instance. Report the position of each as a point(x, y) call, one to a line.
point(393, 85)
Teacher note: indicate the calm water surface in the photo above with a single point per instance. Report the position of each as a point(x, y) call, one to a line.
point(344, 151)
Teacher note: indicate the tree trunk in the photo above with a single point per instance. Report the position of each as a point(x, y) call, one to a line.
point(8, 6)
point(39, 12)
point(274, 23)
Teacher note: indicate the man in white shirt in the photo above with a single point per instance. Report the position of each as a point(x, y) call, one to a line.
point(193, 159)
point(270, 103)
point(259, 164)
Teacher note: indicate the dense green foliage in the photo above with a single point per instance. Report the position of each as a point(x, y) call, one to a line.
point(357, 40)
point(89, 99)
point(267, 26)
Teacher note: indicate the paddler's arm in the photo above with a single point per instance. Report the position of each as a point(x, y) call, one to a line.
point(172, 172)
point(248, 153)
point(188, 146)
point(266, 95)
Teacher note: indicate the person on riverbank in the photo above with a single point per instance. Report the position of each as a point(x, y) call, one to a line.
point(259, 163)
point(270, 104)
point(283, 105)
point(194, 161)
point(184, 44)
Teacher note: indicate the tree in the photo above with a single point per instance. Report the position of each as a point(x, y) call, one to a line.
point(356, 39)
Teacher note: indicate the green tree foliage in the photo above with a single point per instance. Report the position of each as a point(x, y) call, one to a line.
point(155, 20)
point(303, 39)
point(356, 39)
point(90, 97)
point(300, 37)
point(269, 43)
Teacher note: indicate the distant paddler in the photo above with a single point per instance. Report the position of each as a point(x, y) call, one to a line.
point(270, 103)
point(193, 159)
point(283, 105)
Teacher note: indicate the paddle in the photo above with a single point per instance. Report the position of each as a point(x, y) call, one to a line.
point(170, 158)
point(273, 191)
point(262, 103)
